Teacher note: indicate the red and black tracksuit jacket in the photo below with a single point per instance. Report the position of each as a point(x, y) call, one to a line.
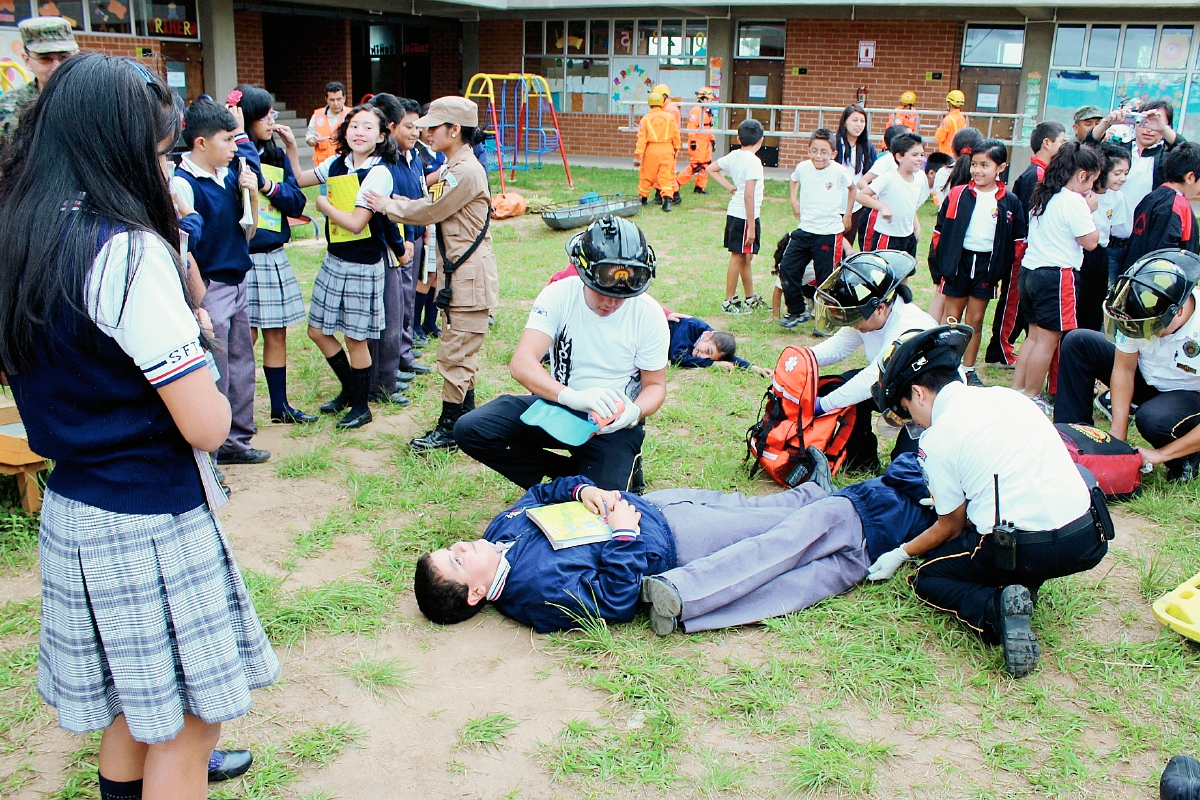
point(1164, 218)
point(945, 251)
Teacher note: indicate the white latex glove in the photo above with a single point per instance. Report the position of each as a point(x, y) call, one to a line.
point(886, 565)
point(629, 417)
point(604, 402)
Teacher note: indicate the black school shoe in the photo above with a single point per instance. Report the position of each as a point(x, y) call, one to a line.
point(225, 765)
point(337, 405)
point(293, 416)
point(1021, 649)
point(249, 456)
point(419, 369)
point(665, 604)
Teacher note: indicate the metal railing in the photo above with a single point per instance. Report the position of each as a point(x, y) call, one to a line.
point(793, 122)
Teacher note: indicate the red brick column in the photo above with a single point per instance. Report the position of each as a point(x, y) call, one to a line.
point(251, 67)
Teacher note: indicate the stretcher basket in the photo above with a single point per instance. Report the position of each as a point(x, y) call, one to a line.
point(1179, 609)
point(569, 214)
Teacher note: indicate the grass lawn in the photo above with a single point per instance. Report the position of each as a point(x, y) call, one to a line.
point(870, 694)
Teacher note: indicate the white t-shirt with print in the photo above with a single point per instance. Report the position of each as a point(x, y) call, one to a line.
point(903, 197)
point(981, 230)
point(978, 433)
point(1169, 362)
point(1053, 233)
point(822, 197)
point(741, 166)
point(1110, 217)
point(588, 350)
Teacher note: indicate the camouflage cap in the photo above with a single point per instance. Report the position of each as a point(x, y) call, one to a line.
point(48, 35)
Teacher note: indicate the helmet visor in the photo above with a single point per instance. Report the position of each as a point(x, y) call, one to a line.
point(1117, 321)
point(617, 273)
point(829, 316)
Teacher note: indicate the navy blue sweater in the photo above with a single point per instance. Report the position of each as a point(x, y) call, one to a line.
point(222, 252)
point(889, 506)
point(684, 335)
point(288, 198)
point(545, 587)
point(407, 179)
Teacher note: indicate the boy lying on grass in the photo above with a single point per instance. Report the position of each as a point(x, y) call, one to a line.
point(694, 344)
point(700, 559)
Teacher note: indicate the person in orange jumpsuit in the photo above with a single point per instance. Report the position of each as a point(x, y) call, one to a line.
point(669, 105)
point(658, 144)
point(700, 145)
point(952, 123)
point(905, 113)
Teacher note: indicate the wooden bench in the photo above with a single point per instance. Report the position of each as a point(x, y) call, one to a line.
point(17, 459)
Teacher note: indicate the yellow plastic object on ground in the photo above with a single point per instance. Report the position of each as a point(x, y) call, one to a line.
point(1179, 609)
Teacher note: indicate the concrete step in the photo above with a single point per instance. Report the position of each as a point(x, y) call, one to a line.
point(285, 114)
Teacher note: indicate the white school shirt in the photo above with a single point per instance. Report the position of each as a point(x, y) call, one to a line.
point(1170, 362)
point(822, 197)
point(742, 166)
point(1110, 217)
point(1052, 234)
point(903, 197)
point(1139, 183)
point(183, 189)
point(152, 323)
point(378, 180)
point(977, 433)
point(941, 183)
point(903, 317)
point(588, 350)
point(981, 230)
point(883, 164)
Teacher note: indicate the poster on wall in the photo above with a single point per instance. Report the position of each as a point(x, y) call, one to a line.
point(1144, 87)
point(633, 78)
point(1033, 101)
point(714, 75)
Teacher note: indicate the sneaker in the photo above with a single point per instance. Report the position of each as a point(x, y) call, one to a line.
point(755, 301)
point(973, 379)
point(792, 320)
point(1021, 649)
point(665, 604)
point(1103, 404)
point(1001, 364)
point(732, 306)
point(1044, 405)
point(1187, 471)
point(821, 474)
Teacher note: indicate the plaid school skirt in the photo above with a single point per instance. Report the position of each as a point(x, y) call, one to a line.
point(272, 291)
point(348, 298)
point(146, 616)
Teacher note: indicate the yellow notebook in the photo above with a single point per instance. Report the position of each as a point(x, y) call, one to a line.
point(569, 524)
point(342, 191)
point(269, 218)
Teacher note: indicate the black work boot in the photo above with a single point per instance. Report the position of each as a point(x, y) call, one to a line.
point(340, 365)
point(359, 413)
point(468, 403)
point(442, 436)
point(698, 190)
point(666, 204)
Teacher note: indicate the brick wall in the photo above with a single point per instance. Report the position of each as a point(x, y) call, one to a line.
point(905, 51)
point(301, 55)
point(445, 62)
point(124, 46)
point(251, 67)
point(501, 42)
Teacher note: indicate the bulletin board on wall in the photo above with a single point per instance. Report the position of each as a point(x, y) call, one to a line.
point(633, 78)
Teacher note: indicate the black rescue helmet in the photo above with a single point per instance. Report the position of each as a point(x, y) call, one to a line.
point(916, 351)
point(613, 258)
point(859, 285)
point(1143, 301)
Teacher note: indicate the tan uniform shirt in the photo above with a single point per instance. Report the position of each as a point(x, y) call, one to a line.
point(458, 204)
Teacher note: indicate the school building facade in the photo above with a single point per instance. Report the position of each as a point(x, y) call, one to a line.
point(1040, 59)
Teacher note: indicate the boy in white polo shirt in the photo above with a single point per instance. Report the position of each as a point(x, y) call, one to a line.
point(895, 198)
point(741, 220)
point(823, 200)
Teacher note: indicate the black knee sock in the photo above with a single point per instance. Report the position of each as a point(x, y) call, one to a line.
point(340, 365)
point(277, 387)
point(120, 790)
point(419, 310)
point(360, 389)
point(431, 311)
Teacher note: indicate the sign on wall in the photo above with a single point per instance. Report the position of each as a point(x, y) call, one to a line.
point(866, 54)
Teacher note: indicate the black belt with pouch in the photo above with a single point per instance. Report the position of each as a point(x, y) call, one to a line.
point(445, 295)
point(1007, 539)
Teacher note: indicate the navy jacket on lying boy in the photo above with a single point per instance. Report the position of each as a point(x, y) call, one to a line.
point(696, 345)
point(701, 559)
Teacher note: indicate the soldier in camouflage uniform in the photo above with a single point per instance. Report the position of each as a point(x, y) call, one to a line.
point(48, 42)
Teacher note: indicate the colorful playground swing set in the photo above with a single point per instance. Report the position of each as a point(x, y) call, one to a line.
point(522, 119)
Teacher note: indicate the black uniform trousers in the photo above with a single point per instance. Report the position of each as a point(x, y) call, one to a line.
point(494, 435)
point(1092, 289)
point(1087, 357)
point(823, 250)
point(961, 577)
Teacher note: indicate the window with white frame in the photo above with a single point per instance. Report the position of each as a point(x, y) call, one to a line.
point(761, 39)
point(1105, 64)
point(156, 18)
point(592, 65)
point(993, 46)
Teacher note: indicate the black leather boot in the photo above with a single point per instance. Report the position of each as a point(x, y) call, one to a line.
point(340, 365)
point(442, 436)
point(359, 413)
point(468, 403)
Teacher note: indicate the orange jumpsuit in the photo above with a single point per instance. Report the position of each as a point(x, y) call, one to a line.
point(952, 123)
point(903, 116)
point(672, 108)
point(657, 143)
point(700, 147)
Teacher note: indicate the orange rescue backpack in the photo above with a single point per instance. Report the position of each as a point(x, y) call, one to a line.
point(787, 425)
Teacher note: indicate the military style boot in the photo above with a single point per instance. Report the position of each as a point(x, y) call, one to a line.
point(442, 436)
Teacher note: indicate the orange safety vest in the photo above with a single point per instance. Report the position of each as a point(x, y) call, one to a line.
point(326, 127)
point(954, 121)
point(903, 116)
point(700, 119)
point(657, 127)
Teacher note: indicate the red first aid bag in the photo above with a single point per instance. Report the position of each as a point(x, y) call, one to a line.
point(1116, 465)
